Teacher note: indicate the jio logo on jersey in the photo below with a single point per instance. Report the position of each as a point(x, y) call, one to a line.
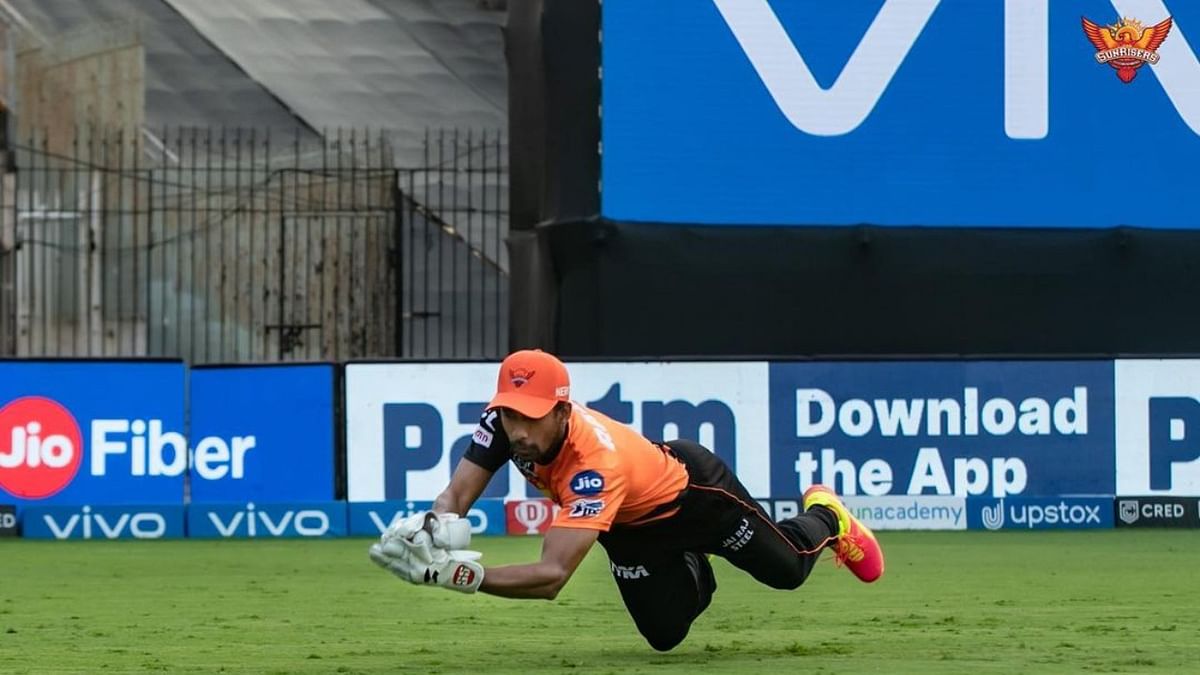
point(41, 447)
point(587, 483)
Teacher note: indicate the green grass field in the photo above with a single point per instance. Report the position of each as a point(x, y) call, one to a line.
point(1006, 602)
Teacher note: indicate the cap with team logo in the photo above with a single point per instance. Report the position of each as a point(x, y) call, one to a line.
point(531, 381)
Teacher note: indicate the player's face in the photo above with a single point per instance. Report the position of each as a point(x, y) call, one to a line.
point(534, 439)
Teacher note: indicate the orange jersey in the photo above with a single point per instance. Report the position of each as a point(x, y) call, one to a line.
point(605, 474)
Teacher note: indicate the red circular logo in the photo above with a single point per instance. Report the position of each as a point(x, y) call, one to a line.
point(40, 447)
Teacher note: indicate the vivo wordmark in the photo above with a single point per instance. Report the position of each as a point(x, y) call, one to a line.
point(102, 522)
point(841, 107)
point(252, 521)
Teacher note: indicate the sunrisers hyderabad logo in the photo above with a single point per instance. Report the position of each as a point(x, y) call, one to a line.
point(41, 447)
point(520, 376)
point(1126, 45)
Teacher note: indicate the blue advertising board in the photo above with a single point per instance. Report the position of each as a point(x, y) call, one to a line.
point(372, 518)
point(263, 521)
point(897, 112)
point(262, 433)
point(1045, 513)
point(953, 428)
point(103, 522)
point(92, 432)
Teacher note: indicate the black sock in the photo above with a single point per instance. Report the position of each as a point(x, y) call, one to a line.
point(827, 516)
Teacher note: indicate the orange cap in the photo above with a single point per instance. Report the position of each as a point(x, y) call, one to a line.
point(531, 381)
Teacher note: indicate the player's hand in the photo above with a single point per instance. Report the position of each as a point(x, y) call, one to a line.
point(456, 570)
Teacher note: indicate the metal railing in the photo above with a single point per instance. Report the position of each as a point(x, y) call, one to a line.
point(229, 245)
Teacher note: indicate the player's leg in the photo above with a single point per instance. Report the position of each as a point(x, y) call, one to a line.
point(663, 592)
point(780, 555)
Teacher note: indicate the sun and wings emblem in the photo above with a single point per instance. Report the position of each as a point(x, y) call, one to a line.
point(1127, 45)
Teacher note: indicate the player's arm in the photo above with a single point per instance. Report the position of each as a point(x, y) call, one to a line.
point(466, 484)
point(562, 551)
point(488, 452)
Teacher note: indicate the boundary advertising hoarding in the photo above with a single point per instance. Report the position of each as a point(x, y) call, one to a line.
point(145, 521)
point(1158, 427)
point(266, 521)
point(407, 425)
point(1153, 511)
point(92, 432)
point(913, 429)
point(266, 433)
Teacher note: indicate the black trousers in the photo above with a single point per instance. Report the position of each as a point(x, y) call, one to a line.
point(662, 570)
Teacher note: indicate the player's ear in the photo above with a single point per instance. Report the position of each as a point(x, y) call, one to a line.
point(562, 410)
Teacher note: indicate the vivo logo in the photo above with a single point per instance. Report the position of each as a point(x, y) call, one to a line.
point(477, 517)
point(844, 106)
point(254, 522)
point(89, 525)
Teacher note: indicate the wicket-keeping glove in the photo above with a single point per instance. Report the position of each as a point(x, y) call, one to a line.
point(447, 530)
point(456, 570)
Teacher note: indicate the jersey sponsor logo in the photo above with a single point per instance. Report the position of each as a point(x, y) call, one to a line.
point(628, 571)
point(586, 483)
point(586, 508)
point(483, 437)
point(740, 538)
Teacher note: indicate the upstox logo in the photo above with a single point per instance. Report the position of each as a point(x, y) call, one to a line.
point(1036, 513)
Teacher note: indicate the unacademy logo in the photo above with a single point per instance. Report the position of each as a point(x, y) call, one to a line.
point(993, 516)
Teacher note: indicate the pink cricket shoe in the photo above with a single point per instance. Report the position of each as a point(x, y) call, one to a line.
point(856, 546)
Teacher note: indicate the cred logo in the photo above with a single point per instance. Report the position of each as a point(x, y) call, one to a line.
point(40, 447)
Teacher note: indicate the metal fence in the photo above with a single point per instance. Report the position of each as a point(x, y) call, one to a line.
point(230, 245)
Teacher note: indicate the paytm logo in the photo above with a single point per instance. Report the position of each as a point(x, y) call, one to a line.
point(415, 434)
point(1158, 427)
point(1174, 437)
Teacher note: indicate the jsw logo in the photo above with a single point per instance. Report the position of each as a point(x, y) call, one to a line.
point(254, 522)
point(844, 106)
point(90, 525)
